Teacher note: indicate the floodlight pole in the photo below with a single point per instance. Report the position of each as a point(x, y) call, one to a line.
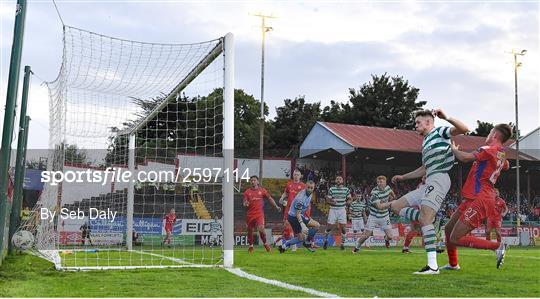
point(264, 30)
point(516, 66)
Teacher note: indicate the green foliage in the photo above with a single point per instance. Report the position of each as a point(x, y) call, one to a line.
point(385, 101)
point(74, 155)
point(482, 128)
point(195, 124)
point(293, 122)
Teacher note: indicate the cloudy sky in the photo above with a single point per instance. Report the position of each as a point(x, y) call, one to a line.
point(454, 52)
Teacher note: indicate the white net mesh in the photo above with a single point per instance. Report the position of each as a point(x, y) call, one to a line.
point(170, 98)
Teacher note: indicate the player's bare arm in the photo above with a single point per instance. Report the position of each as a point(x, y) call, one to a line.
point(417, 173)
point(458, 128)
point(462, 156)
point(273, 203)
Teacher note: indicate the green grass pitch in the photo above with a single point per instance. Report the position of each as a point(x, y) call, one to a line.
point(373, 272)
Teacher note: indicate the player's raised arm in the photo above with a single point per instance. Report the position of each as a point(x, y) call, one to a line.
point(458, 128)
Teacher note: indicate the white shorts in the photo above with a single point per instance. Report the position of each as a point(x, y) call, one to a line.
point(337, 216)
point(432, 193)
point(357, 225)
point(382, 223)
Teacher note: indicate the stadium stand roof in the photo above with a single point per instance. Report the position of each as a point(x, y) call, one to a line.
point(345, 138)
point(530, 143)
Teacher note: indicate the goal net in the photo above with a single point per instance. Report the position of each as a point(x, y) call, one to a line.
point(141, 141)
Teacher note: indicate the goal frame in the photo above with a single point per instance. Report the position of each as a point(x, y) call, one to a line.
point(225, 47)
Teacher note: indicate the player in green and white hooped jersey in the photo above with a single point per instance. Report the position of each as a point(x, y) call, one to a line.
point(215, 231)
point(357, 212)
point(338, 198)
point(379, 214)
point(437, 160)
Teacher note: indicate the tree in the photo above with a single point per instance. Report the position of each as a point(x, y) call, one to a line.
point(74, 155)
point(388, 102)
point(187, 125)
point(35, 164)
point(293, 122)
point(482, 128)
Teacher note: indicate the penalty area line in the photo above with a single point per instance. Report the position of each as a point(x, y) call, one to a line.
point(243, 274)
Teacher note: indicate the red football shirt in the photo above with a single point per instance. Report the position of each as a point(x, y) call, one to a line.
point(490, 160)
point(292, 189)
point(170, 219)
point(255, 199)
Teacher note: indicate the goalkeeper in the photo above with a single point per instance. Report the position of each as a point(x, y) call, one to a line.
point(303, 227)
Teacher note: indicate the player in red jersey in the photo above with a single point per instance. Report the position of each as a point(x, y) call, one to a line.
point(254, 201)
point(495, 223)
point(478, 196)
point(291, 189)
point(169, 220)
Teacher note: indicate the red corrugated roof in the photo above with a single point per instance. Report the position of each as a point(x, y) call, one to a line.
point(398, 140)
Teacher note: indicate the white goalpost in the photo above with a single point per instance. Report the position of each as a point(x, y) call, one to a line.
point(124, 116)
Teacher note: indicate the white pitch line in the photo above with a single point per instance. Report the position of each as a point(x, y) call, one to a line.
point(280, 284)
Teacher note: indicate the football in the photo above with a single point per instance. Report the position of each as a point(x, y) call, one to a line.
point(23, 240)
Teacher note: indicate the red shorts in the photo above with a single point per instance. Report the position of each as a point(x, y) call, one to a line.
point(254, 221)
point(474, 212)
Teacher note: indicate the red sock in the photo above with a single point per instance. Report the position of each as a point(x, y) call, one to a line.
point(478, 243)
point(409, 237)
point(250, 236)
point(452, 252)
point(263, 236)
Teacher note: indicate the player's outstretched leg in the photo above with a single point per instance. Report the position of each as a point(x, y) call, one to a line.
point(460, 238)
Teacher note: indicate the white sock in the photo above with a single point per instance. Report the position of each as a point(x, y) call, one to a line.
point(432, 260)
